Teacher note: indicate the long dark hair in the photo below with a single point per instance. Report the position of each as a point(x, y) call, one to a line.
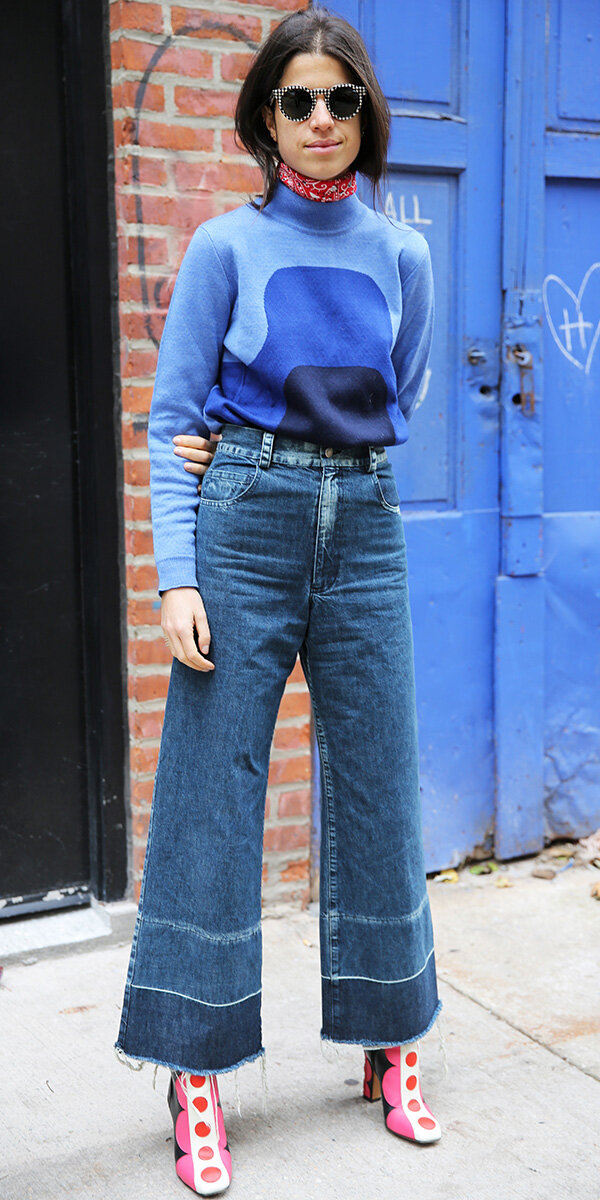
point(314, 30)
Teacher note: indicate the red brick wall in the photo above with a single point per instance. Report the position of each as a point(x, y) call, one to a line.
point(176, 70)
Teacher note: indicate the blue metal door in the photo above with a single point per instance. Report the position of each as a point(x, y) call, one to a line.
point(548, 592)
point(441, 66)
point(493, 157)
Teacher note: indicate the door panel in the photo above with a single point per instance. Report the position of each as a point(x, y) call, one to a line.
point(445, 179)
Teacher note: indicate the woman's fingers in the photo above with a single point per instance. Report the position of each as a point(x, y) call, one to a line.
point(198, 452)
point(183, 618)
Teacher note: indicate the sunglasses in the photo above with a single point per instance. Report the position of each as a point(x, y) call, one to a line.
point(343, 100)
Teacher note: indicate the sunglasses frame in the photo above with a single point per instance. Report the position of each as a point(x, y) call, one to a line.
point(314, 93)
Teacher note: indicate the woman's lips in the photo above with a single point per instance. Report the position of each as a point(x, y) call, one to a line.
point(323, 148)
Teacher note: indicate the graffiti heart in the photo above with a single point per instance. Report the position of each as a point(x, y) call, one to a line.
point(575, 336)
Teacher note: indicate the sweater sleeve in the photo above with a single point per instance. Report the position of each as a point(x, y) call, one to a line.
point(187, 369)
point(410, 355)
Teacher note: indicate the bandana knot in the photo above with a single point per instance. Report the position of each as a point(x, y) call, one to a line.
point(317, 189)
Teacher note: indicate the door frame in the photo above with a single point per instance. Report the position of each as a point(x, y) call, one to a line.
point(96, 390)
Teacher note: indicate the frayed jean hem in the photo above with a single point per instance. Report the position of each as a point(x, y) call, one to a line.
point(383, 1045)
point(123, 1059)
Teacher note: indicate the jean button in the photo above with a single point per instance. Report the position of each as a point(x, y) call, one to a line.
point(329, 451)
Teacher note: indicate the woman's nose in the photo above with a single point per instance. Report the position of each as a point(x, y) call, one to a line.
point(321, 114)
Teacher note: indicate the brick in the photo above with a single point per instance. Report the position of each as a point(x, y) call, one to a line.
point(289, 770)
point(139, 541)
point(143, 612)
point(136, 508)
point(295, 804)
point(140, 325)
point(141, 578)
point(176, 60)
point(297, 674)
point(136, 399)
point(146, 725)
point(136, 471)
point(226, 176)
point(294, 704)
point(131, 93)
point(135, 168)
point(287, 5)
point(136, 364)
point(141, 793)
point(230, 144)
point(139, 826)
point(133, 437)
point(131, 15)
point(287, 837)
point(296, 871)
point(149, 687)
point(292, 737)
point(145, 653)
point(174, 137)
point(143, 758)
point(202, 102)
point(206, 23)
point(235, 66)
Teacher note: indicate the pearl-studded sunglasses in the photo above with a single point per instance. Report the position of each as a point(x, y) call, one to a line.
point(343, 100)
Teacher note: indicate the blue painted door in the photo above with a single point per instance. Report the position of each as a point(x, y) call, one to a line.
point(548, 590)
point(441, 67)
point(493, 156)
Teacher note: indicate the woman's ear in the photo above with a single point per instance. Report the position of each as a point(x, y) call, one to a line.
point(269, 120)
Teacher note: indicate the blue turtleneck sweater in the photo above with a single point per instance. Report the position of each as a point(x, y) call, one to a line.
point(311, 318)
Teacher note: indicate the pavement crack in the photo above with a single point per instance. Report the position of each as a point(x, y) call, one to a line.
point(518, 1028)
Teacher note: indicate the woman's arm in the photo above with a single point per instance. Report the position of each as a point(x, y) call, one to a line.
point(187, 370)
point(413, 343)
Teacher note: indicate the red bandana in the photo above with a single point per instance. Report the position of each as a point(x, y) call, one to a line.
point(317, 189)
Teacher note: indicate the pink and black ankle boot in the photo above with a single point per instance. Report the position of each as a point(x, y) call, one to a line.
point(392, 1075)
point(202, 1158)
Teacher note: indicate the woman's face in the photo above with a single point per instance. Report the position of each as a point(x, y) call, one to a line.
point(320, 146)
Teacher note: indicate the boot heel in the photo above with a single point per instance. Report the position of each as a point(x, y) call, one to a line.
point(371, 1084)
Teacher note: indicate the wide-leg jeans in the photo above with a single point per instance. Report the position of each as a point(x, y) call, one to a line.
point(300, 549)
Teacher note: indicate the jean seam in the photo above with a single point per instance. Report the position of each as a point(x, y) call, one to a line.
point(405, 919)
point(195, 999)
point(332, 914)
point(370, 979)
point(244, 936)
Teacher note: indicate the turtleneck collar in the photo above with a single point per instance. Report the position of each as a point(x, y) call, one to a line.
point(299, 212)
point(317, 189)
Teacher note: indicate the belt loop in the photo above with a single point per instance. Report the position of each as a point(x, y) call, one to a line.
point(266, 449)
point(372, 459)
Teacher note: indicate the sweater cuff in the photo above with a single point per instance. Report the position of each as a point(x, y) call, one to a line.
point(176, 572)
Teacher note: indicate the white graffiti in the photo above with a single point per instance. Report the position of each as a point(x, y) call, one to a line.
point(575, 337)
point(416, 219)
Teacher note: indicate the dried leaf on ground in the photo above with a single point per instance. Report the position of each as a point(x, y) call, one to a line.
point(484, 868)
point(502, 881)
point(449, 876)
point(588, 848)
point(543, 873)
point(595, 890)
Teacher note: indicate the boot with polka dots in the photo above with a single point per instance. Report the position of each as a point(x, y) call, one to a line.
point(202, 1158)
point(392, 1075)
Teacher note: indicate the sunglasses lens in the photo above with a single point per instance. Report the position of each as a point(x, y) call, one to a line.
point(344, 103)
point(296, 104)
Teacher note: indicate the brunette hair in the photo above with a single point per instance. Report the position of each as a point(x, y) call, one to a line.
point(314, 30)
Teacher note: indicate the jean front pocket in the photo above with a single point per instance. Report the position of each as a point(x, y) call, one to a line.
point(228, 479)
point(386, 490)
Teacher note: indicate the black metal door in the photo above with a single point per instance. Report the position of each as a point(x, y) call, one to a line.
point(61, 779)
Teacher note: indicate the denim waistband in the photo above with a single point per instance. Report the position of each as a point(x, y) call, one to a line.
point(267, 447)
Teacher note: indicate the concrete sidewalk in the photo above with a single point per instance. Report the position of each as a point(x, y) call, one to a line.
point(519, 1105)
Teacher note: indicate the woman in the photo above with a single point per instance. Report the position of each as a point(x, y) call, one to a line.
point(299, 331)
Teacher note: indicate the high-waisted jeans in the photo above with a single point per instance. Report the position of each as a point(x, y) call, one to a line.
point(300, 549)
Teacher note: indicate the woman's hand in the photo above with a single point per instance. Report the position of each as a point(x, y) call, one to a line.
point(198, 452)
point(183, 619)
